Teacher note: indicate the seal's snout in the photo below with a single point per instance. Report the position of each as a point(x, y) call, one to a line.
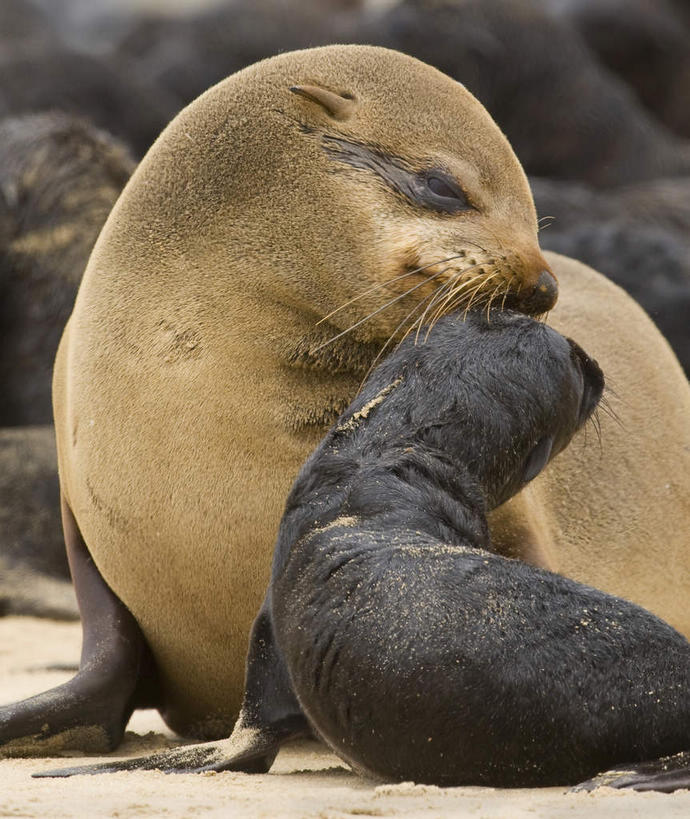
point(540, 296)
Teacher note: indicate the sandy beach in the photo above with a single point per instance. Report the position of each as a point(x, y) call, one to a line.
point(306, 780)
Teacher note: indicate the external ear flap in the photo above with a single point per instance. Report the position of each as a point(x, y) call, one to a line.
point(338, 106)
point(537, 459)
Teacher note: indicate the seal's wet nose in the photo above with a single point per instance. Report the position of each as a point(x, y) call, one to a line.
point(541, 296)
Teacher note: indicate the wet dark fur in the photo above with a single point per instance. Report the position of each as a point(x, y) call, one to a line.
point(453, 665)
point(59, 178)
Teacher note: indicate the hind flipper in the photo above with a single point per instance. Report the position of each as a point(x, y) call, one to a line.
point(115, 674)
point(668, 774)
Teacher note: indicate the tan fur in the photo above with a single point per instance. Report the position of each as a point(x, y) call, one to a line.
point(615, 514)
point(189, 386)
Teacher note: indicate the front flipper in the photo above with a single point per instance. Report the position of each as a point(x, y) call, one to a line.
point(90, 712)
point(668, 774)
point(270, 715)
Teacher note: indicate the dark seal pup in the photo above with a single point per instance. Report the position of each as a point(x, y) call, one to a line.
point(392, 630)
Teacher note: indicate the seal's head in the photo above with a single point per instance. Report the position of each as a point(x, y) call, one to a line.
point(503, 394)
point(343, 173)
point(537, 389)
point(497, 395)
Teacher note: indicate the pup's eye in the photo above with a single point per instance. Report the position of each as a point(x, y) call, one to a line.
point(444, 194)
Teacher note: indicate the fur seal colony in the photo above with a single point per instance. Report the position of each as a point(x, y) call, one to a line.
point(59, 178)
point(646, 43)
point(34, 577)
point(392, 629)
point(279, 232)
point(636, 235)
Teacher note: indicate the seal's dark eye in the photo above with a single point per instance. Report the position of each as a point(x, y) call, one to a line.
point(444, 194)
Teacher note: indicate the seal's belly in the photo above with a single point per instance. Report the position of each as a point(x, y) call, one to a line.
point(178, 491)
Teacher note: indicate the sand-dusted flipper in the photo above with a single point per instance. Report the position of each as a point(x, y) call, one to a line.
point(115, 674)
point(667, 774)
point(270, 715)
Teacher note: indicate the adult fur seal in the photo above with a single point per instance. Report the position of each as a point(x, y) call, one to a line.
point(392, 629)
point(193, 344)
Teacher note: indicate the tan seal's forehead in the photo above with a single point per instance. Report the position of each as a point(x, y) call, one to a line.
point(400, 104)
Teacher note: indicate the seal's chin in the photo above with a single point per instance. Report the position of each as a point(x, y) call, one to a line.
point(537, 298)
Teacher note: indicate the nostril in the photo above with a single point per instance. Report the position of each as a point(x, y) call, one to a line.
point(546, 285)
point(542, 295)
point(535, 297)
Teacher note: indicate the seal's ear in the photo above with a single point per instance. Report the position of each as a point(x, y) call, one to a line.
point(537, 459)
point(338, 106)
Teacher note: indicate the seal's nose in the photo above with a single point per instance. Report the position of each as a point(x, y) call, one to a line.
point(541, 296)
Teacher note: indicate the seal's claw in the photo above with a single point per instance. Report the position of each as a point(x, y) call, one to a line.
point(667, 774)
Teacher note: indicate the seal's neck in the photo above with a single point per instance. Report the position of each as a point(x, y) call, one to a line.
point(401, 488)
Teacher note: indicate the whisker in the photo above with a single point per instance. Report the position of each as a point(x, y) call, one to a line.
point(457, 291)
point(392, 336)
point(438, 293)
point(456, 300)
point(450, 292)
point(459, 297)
point(596, 423)
point(375, 312)
point(387, 282)
point(607, 409)
point(490, 301)
point(474, 294)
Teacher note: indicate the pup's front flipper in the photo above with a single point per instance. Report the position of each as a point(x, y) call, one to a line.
point(246, 750)
point(270, 715)
point(668, 774)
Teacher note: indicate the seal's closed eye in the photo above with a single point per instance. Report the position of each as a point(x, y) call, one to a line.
point(441, 192)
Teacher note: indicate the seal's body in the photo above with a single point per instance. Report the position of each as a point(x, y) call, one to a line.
point(280, 231)
point(187, 390)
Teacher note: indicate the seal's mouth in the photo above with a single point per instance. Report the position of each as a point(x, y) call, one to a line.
point(537, 298)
